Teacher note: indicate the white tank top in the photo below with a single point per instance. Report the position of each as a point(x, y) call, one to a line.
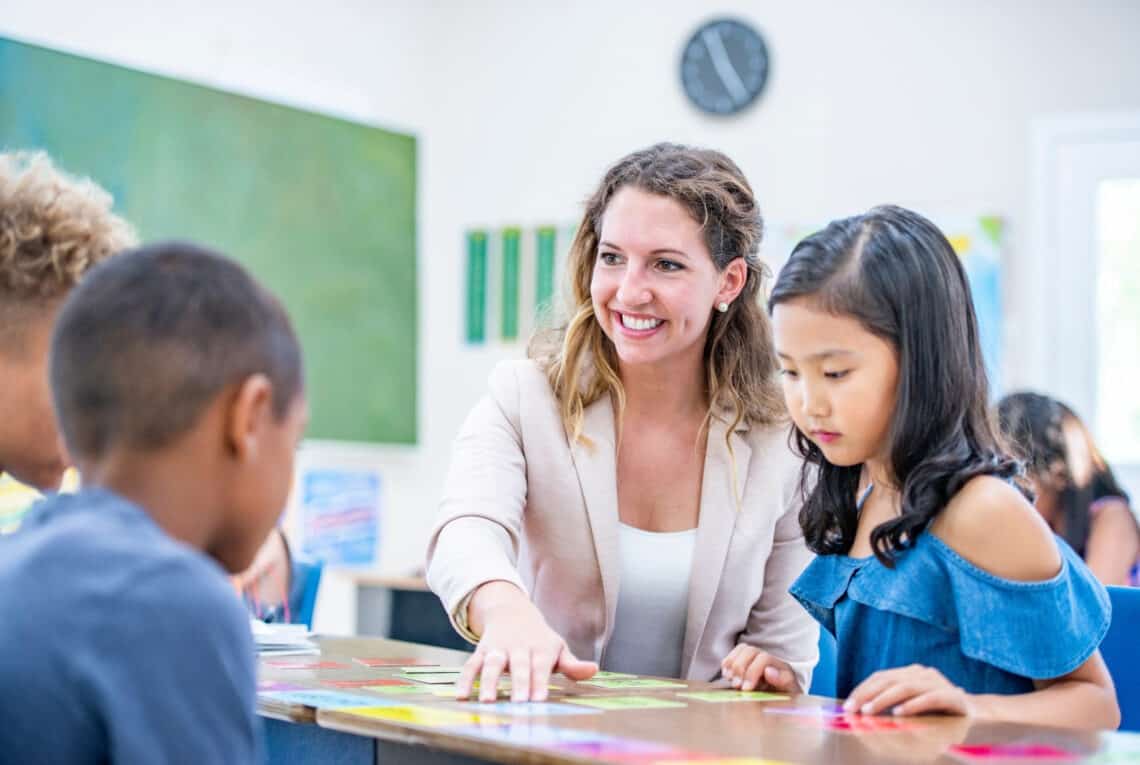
point(653, 602)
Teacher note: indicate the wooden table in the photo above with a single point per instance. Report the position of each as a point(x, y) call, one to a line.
point(797, 730)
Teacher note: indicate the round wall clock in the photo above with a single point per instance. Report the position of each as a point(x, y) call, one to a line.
point(724, 66)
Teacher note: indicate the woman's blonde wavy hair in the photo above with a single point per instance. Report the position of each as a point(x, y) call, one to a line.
point(53, 228)
point(580, 361)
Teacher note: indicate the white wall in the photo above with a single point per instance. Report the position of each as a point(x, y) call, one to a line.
point(519, 106)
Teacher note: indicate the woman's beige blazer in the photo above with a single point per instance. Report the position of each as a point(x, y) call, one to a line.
point(523, 505)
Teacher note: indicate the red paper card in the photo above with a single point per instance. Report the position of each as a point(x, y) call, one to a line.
point(994, 752)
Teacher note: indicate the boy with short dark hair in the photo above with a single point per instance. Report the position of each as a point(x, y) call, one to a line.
point(177, 384)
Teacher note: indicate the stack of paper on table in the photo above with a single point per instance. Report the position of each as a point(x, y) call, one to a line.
point(282, 639)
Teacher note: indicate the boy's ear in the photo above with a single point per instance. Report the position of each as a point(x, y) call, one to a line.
point(249, 407)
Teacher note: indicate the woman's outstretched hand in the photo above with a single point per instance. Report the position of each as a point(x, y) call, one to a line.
point(515, 639)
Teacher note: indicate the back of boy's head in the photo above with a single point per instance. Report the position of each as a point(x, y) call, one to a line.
point(149, 339)
point(53, 228)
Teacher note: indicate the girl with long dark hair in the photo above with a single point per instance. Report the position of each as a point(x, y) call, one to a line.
point(934, 572)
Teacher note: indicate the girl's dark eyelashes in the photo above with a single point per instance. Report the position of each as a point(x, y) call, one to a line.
point(789, 372)
point(609, 258)
point(837, 375)
point(670, 266)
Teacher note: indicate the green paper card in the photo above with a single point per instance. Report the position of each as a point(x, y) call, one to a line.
point(625, 702)
point(637, 682)
point(602, 675)
point(717, 696)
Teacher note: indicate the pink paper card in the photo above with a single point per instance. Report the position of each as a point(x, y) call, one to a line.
point(859, 724)
point(998, 752)
point(622, 750)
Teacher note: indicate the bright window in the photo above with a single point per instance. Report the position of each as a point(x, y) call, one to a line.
point(1118, 319)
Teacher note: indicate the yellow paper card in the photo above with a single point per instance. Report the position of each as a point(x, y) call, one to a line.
point(425, 716)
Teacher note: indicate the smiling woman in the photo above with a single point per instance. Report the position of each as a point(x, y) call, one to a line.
point(627, 495)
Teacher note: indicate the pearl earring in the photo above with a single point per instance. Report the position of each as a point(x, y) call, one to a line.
point(723, 308)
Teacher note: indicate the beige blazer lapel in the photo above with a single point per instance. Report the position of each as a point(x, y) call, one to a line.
point(597, 475)
point(718, 515)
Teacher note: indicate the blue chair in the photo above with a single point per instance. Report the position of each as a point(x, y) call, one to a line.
point(303, 593)
point(1121, 651)
point(823, 678)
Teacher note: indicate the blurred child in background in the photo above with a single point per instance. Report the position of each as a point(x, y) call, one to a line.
point(1077, 493)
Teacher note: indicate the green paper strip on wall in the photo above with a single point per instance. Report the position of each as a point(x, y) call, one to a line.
point(544, 273)
point(510, 298)
point(476, 286)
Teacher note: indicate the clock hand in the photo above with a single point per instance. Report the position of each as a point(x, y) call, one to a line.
point(723, 66)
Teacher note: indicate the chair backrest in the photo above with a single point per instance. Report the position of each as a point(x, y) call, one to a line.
point(823, 678)
point(1121, 651)
point(303, 595)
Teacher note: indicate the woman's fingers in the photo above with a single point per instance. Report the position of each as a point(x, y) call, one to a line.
point(494, 662)
point(520, 664)
point(754, 672)
point(471, 669)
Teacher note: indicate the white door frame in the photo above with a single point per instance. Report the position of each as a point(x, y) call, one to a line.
point(1056, 282)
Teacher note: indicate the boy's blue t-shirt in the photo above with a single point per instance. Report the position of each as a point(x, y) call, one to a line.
point(119, 643)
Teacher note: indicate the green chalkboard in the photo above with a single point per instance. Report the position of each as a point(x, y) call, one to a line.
point(321, 210)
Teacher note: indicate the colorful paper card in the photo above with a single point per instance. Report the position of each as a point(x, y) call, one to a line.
point(723, 761)
point(637, 682)
point(859, 724)
point(528, 734)
point(399, 690)
point(1114, 758)
point(403, 662)
point(625, 702)
point(723, 696)
point(450, 692)
point(298, 664)
point(415, 669)
point(273, 685)
point(536, 709)
point(429, 717)
point(433, 678)
point(322, 699)
point(621, 750)
point(370, 683)
point(827, 710)
point(998, 752)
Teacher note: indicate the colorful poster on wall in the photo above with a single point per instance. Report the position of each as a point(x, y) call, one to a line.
point(340, 516)
point(978, 242)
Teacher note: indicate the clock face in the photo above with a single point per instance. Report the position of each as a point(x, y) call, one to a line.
point(724, 66)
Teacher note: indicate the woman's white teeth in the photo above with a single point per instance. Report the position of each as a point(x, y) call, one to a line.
point(631, 323)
